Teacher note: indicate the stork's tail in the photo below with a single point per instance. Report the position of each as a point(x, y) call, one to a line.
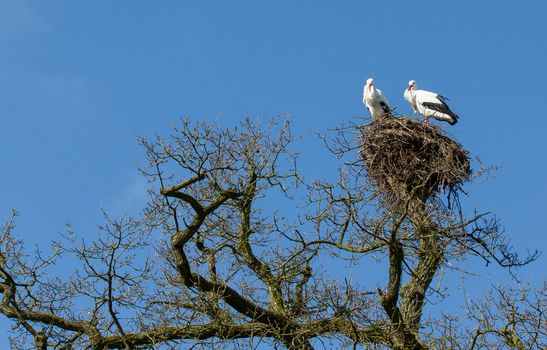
point(385, 108)
point(454, 119)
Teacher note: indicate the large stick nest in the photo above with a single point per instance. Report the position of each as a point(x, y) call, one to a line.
point(408, 160)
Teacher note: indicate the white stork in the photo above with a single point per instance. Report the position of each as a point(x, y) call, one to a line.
point(375, 100)
point(429, 104)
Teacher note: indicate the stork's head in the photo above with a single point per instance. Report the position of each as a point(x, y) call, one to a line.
point(370, 82)
point(411, 85)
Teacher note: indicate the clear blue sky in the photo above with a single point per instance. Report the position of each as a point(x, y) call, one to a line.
point(79, 80)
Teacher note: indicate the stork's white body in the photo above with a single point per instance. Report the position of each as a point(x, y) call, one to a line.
point(429, 104)
point(375, 100)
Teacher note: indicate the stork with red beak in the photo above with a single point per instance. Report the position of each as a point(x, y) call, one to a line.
point(429, 104)
point(375, 101)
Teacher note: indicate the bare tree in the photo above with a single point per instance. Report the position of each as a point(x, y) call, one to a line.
point(507, 318)
point(231, 244)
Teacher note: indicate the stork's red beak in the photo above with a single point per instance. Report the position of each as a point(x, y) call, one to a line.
point(409, 87)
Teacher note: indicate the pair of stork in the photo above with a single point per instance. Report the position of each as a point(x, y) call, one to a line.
point(426, 103)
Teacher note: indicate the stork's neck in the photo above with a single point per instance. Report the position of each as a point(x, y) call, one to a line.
point(410, 96)
point(411, 91)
